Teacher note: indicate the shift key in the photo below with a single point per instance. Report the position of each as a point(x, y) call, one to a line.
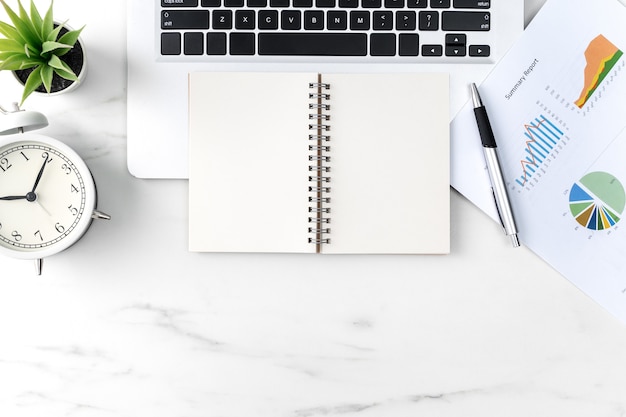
point(466, 21)
point(185, 19)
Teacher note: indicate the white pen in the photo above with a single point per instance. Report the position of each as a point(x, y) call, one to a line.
point(498, 186)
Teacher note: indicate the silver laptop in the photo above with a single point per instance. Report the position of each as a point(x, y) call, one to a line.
point(167, 39)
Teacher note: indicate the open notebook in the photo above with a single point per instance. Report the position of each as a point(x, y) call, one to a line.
point(331, 163)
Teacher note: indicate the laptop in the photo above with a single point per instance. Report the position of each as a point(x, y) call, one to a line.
point(168, 39)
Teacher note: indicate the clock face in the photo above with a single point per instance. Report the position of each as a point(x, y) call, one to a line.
point(47, 197)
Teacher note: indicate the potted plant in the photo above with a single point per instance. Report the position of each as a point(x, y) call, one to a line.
point(45, 56)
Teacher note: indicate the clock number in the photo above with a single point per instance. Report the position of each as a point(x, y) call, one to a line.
point(25, 157)
point(45, 156)
point(5, 164)
point(72, 210)
point(16, 236)
point(66, 168)
point(74, 189)
point(59, 228)
point(38, 232)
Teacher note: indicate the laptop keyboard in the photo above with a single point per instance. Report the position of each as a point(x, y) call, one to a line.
point(458, 30)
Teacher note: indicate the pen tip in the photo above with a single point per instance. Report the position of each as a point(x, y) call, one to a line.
point(515, 241)
point(475, 96)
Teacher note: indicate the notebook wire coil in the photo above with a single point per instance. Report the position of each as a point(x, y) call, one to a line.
point(319, 161)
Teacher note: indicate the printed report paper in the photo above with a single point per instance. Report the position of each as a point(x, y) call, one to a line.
point(557, 105)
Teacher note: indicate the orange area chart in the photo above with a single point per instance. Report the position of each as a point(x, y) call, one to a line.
point(601, 55)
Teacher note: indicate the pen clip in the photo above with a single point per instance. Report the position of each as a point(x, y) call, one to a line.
point(495, 201)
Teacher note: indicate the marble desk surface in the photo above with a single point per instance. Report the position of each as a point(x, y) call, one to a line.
point(128, 323)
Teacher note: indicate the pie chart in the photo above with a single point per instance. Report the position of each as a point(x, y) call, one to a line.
point(597, 201)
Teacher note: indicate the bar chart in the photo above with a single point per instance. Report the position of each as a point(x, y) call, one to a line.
point(541, 136)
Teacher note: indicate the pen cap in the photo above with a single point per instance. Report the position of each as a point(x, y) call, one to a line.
point(484, 127)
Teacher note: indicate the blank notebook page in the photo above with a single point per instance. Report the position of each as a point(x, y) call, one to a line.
point(248, 162)
point(390, 163)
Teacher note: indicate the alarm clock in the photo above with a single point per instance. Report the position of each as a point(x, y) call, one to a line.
point(48, 196)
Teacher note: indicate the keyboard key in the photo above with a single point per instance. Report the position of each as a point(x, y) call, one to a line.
point(383, 44)
point(313, 20)
point(405, 20)
point(349, 4)
point(382, 21)
point(179, 3)
point(440, 4)
point(241, 43)
point(244, 19)
point(429, 21)
point(321, 44)
point(290, 20)
point(416, 4)
point(337, 20)
point(371, 4)
point(456, 39)
point(222, 19)
point(324, 3)
point(185, 19)
point(233, 3)
point(455, 50)
point(257, 3)
point(279, 3)
point(466, 21)
point(432, 50)
point(216, 43)
point(211, 3)
point(471, 4)
point(394, 4)
point(193, 43)
point(170, 43)
point(268, 19)
point(302, 3)
point(408, 44)
point(359, 20)
point(479, 50)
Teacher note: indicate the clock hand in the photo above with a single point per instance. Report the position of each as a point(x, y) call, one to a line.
point(40, 174)
point(14, 197)
point(43, 208)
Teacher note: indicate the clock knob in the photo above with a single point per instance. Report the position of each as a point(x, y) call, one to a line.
point(100, 215)
point(20, 121)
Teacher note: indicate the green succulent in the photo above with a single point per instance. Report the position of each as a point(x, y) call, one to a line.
point(33, 41)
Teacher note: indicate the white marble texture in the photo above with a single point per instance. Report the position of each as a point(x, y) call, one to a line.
point(128, 323)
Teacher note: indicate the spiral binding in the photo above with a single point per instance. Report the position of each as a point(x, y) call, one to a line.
point(319, 159)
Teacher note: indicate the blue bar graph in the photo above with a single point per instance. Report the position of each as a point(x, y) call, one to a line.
point(542, 136)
